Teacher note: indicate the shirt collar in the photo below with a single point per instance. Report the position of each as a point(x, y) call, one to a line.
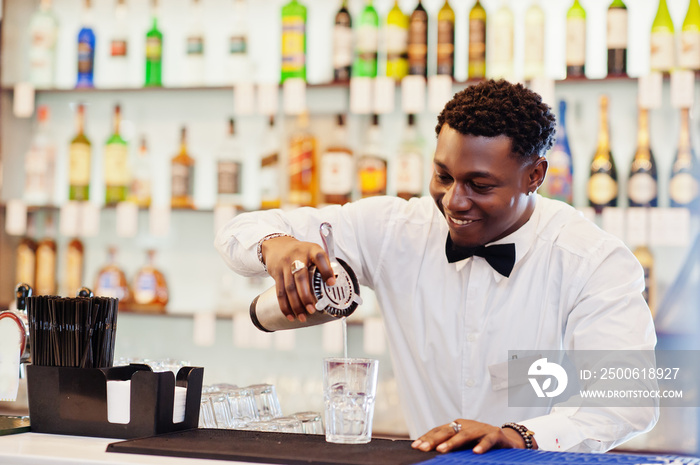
point(523, 238)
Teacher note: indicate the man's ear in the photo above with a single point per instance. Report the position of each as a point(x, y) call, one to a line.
point(537, 173)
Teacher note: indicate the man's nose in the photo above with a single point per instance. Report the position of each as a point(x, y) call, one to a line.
point(457, 198)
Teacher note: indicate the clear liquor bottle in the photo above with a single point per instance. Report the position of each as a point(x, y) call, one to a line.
point(372, 164)
point(642, 183)
point(229, 169)
point(116, 69)
point(342, 44)
point(303, 175)
point(270, 168)
point(39, 165)
point(238, 66)
point(500, 51)
point(43, 35)
point(182, 176)
point(140, 184)
point(116, 164)
point(149, 287)
point(194, 70)
point(409, 162)
point(79, 159)
point(337, 167)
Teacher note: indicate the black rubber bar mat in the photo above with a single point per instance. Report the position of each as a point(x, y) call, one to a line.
point(262, 447)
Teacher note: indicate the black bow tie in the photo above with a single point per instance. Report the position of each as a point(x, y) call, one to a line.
point(501, 257)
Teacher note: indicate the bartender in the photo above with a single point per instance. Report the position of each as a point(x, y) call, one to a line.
point(482, 267)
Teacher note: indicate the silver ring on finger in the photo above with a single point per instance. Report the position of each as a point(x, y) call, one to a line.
point(297, 265)
point(456, 427)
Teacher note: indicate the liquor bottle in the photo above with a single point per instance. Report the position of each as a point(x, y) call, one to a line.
point(111, 280)
point(646, 259)
point(150, 290)
point(602, 184)
point(154, 51)
point(559, 179)
point(342, 44)
point(617, 38)
point(270, 191)
point(86, 50)
point(116, 164)
point(446, 40)
point(73, 269)
point(477, 42)
point(293, 41)
point(182, 176)
point(303, 177)
point(238, 66)
point(418, 41)
point(662, 40)
point(337, 167)
point(396, 43)
point(39, 164)
point(501, 45)
point(372, 165)
point(684, 187)
point(229, 169)
point(366, 43)
point(116, 69)
point(194, 70)
point(79, 156)
point(43, 34)
point(576, 41)
point(409, 163)
point(642, 184)
point(533, 63)
point(140, 183)
point(46, 262)
point(689, 56)
point(25, 271)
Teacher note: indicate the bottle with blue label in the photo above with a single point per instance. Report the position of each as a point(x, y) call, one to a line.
point(559, 179)
point(150, 290)
point(86, 50)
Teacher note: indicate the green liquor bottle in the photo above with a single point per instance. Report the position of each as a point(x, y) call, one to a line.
point(662, 57)
point(396, 43)
point(576, 41)
point(365, 64)
point(617, 38)
point(293, 41)
point(116, 169)
point(477, 42)
point(154, 52)
point(689, 57)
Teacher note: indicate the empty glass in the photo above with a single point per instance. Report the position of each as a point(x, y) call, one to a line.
point(222, 410)
point(349, 390)
point(287, 424)
point(311, 422)
point(206, 413)
point(266, 401)
point(242, 407)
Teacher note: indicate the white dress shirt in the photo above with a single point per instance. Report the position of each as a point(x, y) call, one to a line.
point(450, 325)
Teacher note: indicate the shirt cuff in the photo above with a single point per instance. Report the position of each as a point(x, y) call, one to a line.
point(555, 432)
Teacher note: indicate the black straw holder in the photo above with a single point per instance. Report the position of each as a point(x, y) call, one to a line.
point(66, 400)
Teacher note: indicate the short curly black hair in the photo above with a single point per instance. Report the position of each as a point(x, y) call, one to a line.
point(493, 108)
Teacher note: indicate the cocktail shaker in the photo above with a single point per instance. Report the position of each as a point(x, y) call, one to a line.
point(332, 302)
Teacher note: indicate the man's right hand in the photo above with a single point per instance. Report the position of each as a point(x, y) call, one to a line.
point(294, 289)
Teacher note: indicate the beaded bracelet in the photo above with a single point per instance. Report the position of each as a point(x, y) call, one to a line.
point(523, 431)
point(260, 243)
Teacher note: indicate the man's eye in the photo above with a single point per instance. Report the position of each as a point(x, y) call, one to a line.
point(443, 177)
point(481, 187)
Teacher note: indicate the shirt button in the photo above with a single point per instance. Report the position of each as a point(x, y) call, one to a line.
point(471, 337)
point(470, 383)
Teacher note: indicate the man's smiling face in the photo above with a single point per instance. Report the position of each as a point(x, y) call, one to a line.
point(481, 187)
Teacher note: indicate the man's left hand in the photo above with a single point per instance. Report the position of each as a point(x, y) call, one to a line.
point(445, 438)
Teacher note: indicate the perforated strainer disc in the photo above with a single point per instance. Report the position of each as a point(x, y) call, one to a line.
point(341, 299)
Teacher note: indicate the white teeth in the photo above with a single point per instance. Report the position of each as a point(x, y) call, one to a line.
point(456, 221)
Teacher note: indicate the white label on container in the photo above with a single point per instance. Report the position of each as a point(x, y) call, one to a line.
point(268, 98)
point(361, 95)
point(204, 329)
point(244, 98)
point(575, 42)
point(689, 56)
point(337, 173)
point(159, 220)
point(16, 219)
point(127, 219)
point(637, 231)
point(439, 92)
point(641, 188)
point(613, 221)
point(662, 51)
point(682, 88)
point(294, 96)
point(384, 95)
point(409, 173)
point(649, 88)
point(669, 227)
point(617, 28)
point(413, 94)
point(23, 105)
point(10, 353)
point(89, 219)
point(69, 219)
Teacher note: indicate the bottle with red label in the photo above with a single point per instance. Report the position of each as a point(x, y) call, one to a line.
point(337, 167)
